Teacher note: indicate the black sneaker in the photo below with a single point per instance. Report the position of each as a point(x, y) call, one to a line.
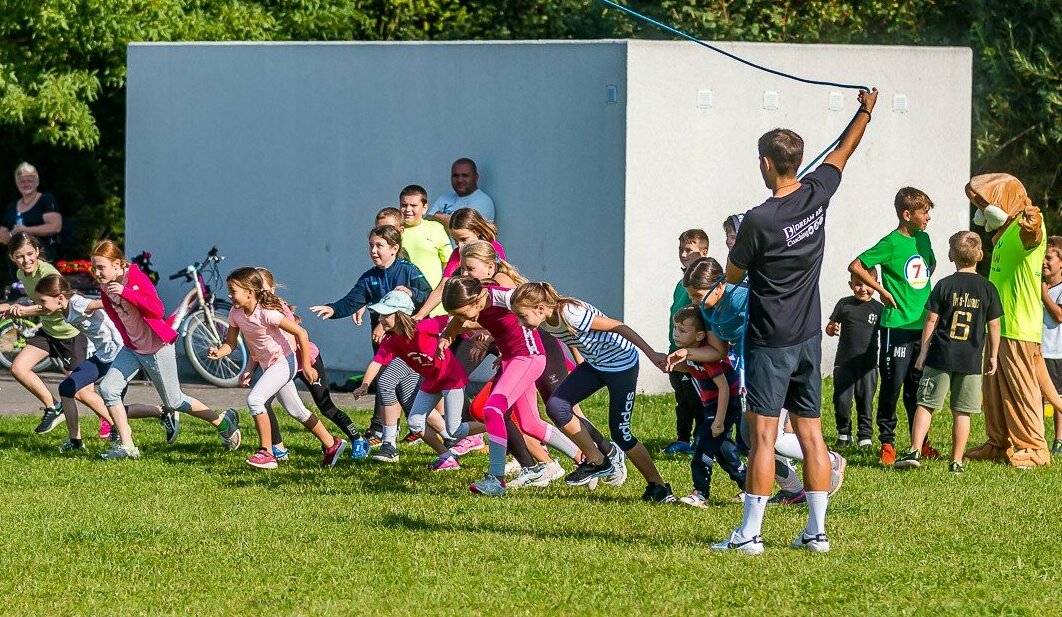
point(171, 424)
point(956, 467)
point(387, 453)
point(51, 419)
point(843, 441)
point(587, 471)
point(658, 493)
point(911, 460)
point(229, 429)
point(1056, 448)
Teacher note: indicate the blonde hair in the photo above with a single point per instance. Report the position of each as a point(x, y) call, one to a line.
point(252, 280)
point(484, 251)
point(534, 294)
point(109, 249)
point(965, 248)
point(405, 324)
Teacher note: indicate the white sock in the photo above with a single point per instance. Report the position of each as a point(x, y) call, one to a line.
point(817, 501)
point(786, 476)
point(751, 517)
point(390, 434)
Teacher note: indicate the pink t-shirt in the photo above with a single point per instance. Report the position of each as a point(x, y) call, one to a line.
point(142, 338)
point(266, 342)
point(314, 350)
point(454, 263)
point(512, 338)
point(419, 353)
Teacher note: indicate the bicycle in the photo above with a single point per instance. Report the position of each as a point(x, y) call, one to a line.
point(201, 318)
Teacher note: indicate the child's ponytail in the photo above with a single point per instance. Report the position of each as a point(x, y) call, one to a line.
point(704, 273)
point(460, 291)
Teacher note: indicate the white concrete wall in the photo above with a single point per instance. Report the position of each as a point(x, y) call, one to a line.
point(281, 154)
point(691, 167)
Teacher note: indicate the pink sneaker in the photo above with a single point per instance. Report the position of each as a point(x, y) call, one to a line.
point(105, 429)
point(444, 463)
point(262, 459)
point(468, 445)
point(331, 455)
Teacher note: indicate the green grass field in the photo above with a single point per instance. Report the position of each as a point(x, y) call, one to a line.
point(191, 529)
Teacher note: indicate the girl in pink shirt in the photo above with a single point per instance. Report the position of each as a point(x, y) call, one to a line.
point(130, 300)
point(473, 304)
point(274, 341)
point(442, 378)
point(466, 226)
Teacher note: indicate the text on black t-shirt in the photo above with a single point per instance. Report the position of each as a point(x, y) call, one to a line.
point(859, 328)
point(965, 303)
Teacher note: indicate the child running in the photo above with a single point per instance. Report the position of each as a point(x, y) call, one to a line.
point(133, 305)
point(522, 362)
point(282, 348)
point(717, 387)
point(57, 297)
point(610, 361)
point(55, 338)
point(960, 310)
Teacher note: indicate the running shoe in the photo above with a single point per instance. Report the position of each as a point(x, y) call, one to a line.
point(105, 429)
point(50, 419)
point(262, 459)
point(329, 456)
point(695, 499)
point(444, 463)
point(387, 453)
point(171, 423)
point(553, 471)
point(929, 452)
point(1056, 447)
point(678, 447)
point(467, 445)
point(119, 452)
point(837, 472)
point(412, 438)
point(956, 467)
point(229, 429)
point(786, 498)
point(280, 453)
point(512, 467)
point(488, 486)
point(865, 444)
point(817, 543)
point(359, 449)
point(887, 455)
point(658, 493)
point(619, 466)
point(748, 547)
point(911, 460)
point(843, 441)
point(70, 446)
point(375, 441)
point(584, 472)
point(528, 476)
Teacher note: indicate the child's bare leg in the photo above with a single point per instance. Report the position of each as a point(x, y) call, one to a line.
point(265, 432)
point(960, 433)
point(319, 431)
point(920, 428)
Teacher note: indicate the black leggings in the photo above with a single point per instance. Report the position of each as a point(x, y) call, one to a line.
point(584, 381)
point(322, 398)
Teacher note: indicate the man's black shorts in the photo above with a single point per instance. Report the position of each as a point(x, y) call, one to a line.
point(785, 377)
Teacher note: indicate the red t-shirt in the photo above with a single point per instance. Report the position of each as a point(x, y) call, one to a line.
point(419, 353)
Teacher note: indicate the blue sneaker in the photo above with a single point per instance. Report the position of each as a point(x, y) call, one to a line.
point(280, 453)
point(678, 447)
point(359, 449)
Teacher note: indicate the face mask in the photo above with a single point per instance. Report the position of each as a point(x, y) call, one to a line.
point(992, 217)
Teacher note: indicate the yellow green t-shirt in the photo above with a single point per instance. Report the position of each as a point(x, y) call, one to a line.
point(907, 262)
point(428, 248)
point(1016, 273)
point(53, 325)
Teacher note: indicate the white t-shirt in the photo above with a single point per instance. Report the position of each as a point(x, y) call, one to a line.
point(450, 202)
point(104, 340)
point(1052, 347)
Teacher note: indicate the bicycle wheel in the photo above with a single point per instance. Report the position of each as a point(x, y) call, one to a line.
point(12, 342)
point(198, 339)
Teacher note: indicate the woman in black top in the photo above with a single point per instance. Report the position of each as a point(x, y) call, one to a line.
point(33, 212)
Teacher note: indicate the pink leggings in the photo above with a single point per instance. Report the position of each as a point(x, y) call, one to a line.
point(515, 389)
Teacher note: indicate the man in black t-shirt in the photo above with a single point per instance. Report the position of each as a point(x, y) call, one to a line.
point(780, 247)
point(961, 309)
point(855, 369)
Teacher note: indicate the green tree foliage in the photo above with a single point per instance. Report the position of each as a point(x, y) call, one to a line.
point(62, 64)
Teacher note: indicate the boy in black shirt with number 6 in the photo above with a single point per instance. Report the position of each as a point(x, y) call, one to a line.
point(855, 369)
point(960, 309)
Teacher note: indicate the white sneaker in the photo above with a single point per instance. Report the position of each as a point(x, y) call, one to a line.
point(695, 499)
point(619, 466)
point(865, 443)
point(512, 467)
point(552, 471)
point(816, 544)
point(749, 547)
point(119, 452)
point(528, 476)
point(837, 472)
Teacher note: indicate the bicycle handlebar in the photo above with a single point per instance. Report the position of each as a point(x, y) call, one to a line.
point(187, 271)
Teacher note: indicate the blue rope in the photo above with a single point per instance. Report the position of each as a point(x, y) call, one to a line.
point(689, 37)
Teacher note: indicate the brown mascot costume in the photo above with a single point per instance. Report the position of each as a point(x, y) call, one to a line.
point(1013, 406)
